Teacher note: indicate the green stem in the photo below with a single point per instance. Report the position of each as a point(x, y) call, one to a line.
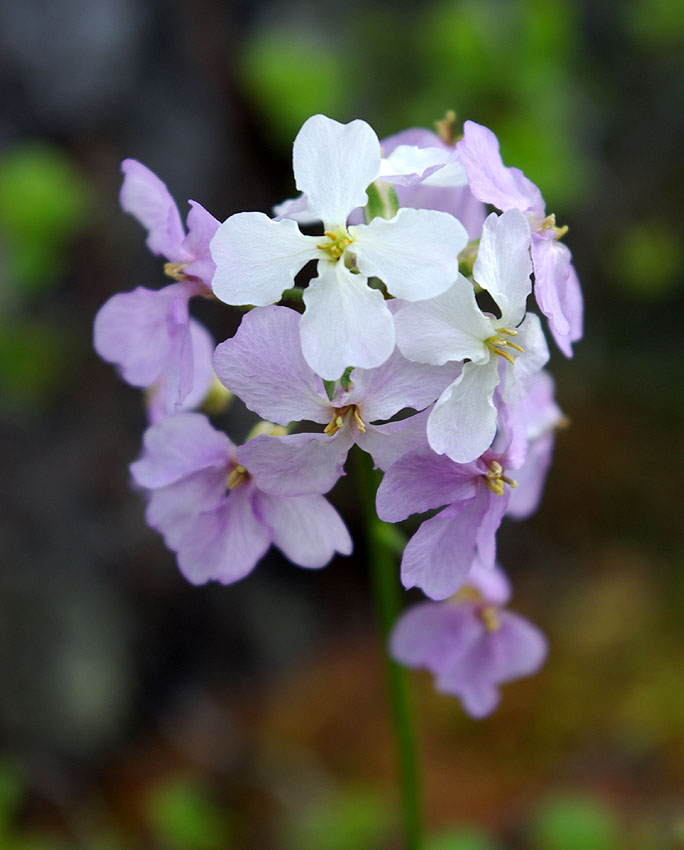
point(380, 547)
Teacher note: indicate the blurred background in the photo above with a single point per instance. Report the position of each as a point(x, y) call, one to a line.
point(139, 712)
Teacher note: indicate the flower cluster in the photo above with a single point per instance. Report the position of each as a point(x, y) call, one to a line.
point(412, 340)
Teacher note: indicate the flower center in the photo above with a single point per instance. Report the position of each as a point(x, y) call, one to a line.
point(237, 476)
point(549, 223)
point(175, 270)
point(496, 479)
point(499, 344)
point(339, 416)
point(489, 614)
point(337, 243)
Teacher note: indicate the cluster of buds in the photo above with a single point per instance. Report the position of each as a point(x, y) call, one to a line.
point(412, 340)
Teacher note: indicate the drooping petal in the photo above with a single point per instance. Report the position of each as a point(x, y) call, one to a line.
point(407, 165)
point(156, 399)
point(224, 544)
point(491, 582)
point(518, 377)
point(178, 446)
point(263, 365)
point(397, 384)
point(494, 510)
point(557, 290)
point(429, 634)
point(490, 181)
point(141, 331)
point(201, 229)
point(297, 463)
point(503, 266)
point(415, 253)
point(522, 647)
point(295, 208)
point(144, 196)
point(438, 557)
point(450, 327)
point(172, 509)
point(333, 165)
point(346, 323)
point(257, 258)
point(387, 443)
point(531, 478)
point(462, 424)
point(307, 529)
point(422, 480)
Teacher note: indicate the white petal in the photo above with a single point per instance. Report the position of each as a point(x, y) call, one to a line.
point(415, 253)
point(346, 323)
point(519, 377)
point(503, 265)
point(410, 164)
point(448, 328)
point(257, 258)
point(333, 165)
point(462, 424)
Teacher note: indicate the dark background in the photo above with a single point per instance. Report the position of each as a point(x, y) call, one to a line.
point(137, 711)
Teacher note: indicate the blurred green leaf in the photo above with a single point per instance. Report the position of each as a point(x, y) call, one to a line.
point(648, 260)
point(569, 823)
point(656, 23)
point(291, 77)
point(183, 817)
point(11, 792)
point(44, 200)
point(350, 820)
point(34, 356)
point(462, 839)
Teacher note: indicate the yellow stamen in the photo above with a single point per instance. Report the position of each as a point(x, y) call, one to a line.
point(175, 270)
point(498, 344)
point(489, 615)
point(339, 416)
point(238, 475)
point(496, 479)
point(337, 244)
point(467, 593)
point(549, 223)
point(503, 354)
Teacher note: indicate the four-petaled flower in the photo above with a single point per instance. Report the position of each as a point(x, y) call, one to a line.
point(509, 349)
point(346, 322)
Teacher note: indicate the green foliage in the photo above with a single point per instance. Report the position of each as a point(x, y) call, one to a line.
point(647, 260)
point(462, 839)
point(34, 356)
point(44, 201)
point(290, 77)
point(350, 820)
point(574, 823)
point(183, 817)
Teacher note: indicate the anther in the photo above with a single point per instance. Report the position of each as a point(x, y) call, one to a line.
point(237, 476)
point(175, 270)
point(489, 614)
point(496, 479)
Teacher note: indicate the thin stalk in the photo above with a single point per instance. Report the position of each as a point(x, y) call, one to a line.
point(380, 550)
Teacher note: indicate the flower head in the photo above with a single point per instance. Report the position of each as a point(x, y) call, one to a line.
point(215, 514)
point(557, 287)
point(471, 643)
point(508, 349)
point(346, 322)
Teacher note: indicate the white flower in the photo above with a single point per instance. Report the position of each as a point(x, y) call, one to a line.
point(510, 349)
point(346, 323)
